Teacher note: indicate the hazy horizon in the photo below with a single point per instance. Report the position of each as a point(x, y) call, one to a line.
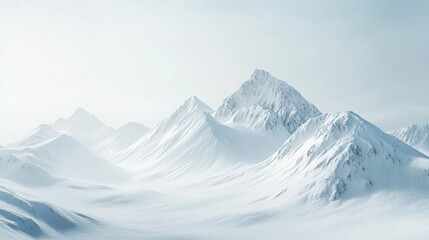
point(139, 60)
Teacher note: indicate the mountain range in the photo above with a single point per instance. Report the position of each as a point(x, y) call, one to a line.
point(263, 150)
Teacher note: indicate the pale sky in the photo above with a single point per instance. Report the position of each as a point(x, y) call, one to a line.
point(139, 60)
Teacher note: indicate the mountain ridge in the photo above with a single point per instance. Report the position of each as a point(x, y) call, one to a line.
point(266, 103)
point(415, 135)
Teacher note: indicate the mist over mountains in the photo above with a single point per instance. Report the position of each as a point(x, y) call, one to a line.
point(266, 158)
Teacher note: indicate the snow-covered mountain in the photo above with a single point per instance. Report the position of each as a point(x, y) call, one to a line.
point(416, 135)
point(247, 127)
point(186, 140)
point(40, 134)
point(61, 157)
point(90, 131)
point(84, 127)
point(337, 156)
point(266, 155)
point(191, 140)
point(266, 103)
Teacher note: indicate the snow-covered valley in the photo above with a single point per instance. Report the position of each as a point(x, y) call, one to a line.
point(266, 164)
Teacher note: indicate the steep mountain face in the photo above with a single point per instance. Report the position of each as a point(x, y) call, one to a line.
point(266, 103)
point(84, 127)
point(340, 155)
point(337, 156)
point(416, 135)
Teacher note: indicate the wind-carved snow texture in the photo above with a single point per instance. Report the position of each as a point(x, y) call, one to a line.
point(265, 165)
point(32, 218)
point(24, 172)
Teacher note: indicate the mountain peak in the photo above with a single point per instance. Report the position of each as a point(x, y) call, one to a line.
point(260, 74)
point(266, 103)
point(81, 113)
point(194, 103)
point(82, 125)
point(339, 154)
point(420, 126)
point(416, 135)
point(81, 116)
point(193, 109)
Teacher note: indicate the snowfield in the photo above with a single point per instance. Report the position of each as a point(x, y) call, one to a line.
point(266, 164)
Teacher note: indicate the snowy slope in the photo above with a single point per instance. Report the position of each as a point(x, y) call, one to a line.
point(191, 140)
point(122, 138)
point(416, 135)
point(24, 172)
point(40, 134)
point(247, 128)
point(266, 103)
point(57, 158)
point(184, 135)
point(21, 218)
point(336, 156)
point(266, 165)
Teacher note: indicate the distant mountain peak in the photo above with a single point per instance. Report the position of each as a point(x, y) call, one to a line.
point(83, 126)
point(81, 110)
point(416, 135)
point(260, 74)
point(81, 114)
point(266, 103)
point(79, 118)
